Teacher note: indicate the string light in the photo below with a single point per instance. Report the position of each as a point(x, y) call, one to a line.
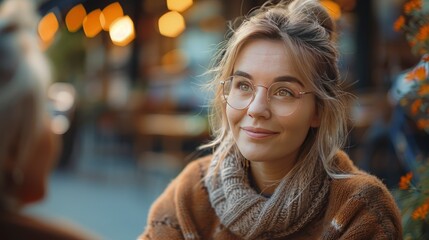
point(171, 24)
point(179, 5)
point(91, 23)
point(334, 10)
point(48, 27)
point(122, 31)
point(110, 14)
point(75, 17)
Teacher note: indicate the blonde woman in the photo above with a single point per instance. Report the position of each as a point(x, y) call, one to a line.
point(279, 119)
point(28, 147)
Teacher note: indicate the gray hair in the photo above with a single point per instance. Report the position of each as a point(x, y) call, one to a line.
point(24, 75)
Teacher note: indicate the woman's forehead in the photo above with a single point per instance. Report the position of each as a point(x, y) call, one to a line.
point(267, 59)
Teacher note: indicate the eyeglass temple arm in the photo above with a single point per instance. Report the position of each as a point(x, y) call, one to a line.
point(303, 92)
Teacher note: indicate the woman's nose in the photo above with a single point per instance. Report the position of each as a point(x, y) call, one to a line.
point(259, 107)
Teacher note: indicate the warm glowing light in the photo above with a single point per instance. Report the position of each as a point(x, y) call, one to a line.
point(60, 124)
point(171, 24)
point(110, 14)
point(91, 23)
point(65, 101)
point(122, 31)
point(62, 96)
point(174, 61)
point(178, 5)
point(48, 27)
point(333, 8)
point(75, 17)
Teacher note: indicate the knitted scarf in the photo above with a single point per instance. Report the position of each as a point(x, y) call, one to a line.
point(251, 216)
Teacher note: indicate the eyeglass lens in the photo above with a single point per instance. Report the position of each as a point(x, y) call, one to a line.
point(283, 97)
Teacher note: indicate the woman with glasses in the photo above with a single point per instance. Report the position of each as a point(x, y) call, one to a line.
point(279, 119)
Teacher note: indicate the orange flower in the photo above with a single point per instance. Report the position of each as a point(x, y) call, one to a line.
point(425, 58)
point(399, 23)
point(423, 123)
point(412, 5)
point(415, 106)
point(422, 211)
point(420, 73)
point(424, 89)
point(404, 183)
point(423, 33)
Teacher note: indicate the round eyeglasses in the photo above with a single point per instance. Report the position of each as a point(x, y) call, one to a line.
point(283, 97)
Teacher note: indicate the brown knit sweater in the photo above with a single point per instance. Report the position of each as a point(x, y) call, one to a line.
point(359, 207)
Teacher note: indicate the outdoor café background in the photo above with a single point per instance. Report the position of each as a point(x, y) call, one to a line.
point(127, 99)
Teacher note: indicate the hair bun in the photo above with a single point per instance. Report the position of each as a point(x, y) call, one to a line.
point(19, 43)
point(325, 20)
point(312, 10)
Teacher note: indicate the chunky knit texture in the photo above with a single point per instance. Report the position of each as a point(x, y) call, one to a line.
point(248, 214)
point(359, 207)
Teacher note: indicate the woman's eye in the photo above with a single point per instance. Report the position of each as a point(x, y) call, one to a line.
point(284, 92)
point(243, 86)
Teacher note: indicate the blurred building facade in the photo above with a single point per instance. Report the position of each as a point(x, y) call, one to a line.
point(148, 87)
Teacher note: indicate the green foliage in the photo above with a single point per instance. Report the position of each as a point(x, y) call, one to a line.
point(412, 197)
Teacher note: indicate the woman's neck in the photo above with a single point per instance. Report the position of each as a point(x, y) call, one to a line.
point(266, 176)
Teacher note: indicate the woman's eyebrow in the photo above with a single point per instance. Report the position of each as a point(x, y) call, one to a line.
point(285, 78)
point(288, 78)
point(242, 74)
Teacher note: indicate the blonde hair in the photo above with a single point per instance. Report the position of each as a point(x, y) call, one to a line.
point(309, 35)
point(24, 75)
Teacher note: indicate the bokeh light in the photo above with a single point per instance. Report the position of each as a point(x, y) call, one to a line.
point(60, 124)
point(171, 24)
point(48, 27)
point(333, 8)
point(178, 5)
point(122, 31)
point(110, 14)
point(62, 96)
point(91, 23)
point(75, 17)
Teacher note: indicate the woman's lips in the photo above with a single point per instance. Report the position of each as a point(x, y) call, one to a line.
point(258, 132)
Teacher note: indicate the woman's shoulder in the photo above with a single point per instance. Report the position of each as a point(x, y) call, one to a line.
point(361, 201)
point(361, 205)
point(357, 182)
point(197, 167)
point(17, 226)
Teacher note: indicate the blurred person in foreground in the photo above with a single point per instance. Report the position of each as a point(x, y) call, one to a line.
point(28, 147)
point(280, 120)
